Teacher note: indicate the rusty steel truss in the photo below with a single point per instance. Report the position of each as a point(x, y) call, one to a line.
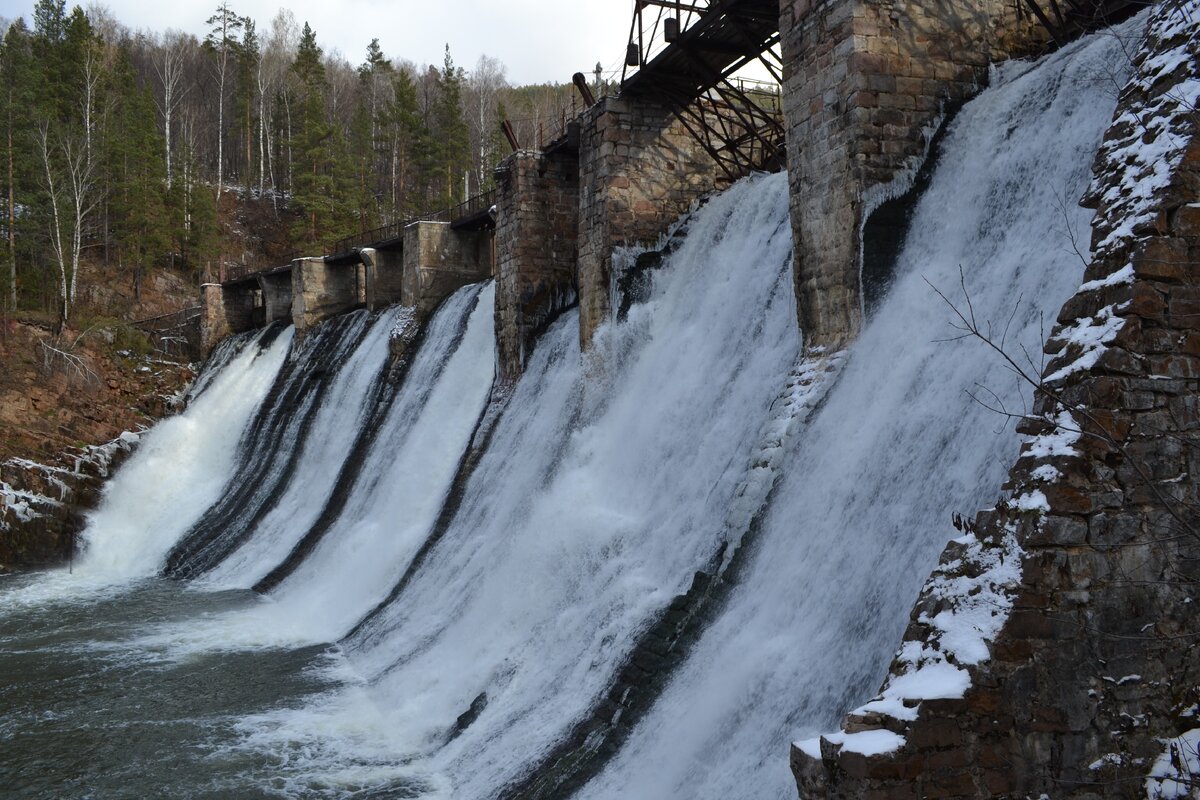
point(688, 55)
point(1068, 19)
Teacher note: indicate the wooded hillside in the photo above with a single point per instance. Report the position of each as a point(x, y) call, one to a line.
point(127, 148)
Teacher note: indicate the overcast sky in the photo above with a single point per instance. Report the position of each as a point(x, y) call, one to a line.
point(538, 40)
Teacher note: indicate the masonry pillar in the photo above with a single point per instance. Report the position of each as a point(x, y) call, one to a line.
point(384, 272)
point(439, 260)
point(866, 83)
point(227, 310)
point(277, 296)
point(639, 170)
point(536, 245)
point(321, 290)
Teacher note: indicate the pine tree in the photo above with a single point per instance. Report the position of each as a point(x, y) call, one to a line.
point(138, 176)
point(410, 145)
point(16, 100)
point(312, 194)
point(248, 56)
point(452, 151)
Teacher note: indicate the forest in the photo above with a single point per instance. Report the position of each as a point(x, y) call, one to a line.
point(141, 150)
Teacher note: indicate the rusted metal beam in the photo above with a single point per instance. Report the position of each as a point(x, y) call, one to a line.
point(585, 91)
point(510, 135)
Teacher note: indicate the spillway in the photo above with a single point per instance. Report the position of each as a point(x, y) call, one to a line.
point(438, 609)
point(864, 507)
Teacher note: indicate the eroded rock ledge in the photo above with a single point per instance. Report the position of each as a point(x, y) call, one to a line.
point(1056, 649)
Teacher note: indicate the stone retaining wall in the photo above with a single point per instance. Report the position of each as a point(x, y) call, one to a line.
point(639, 171)
point(1098, 661)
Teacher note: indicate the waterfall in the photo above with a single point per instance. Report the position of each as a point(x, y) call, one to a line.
point(358, 391)
point(181, 465)
point(269, 455)
point(440, 609)
point(590, 510)
point(865, 504)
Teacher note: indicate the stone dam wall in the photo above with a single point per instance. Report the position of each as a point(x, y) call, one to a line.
point(1094, 565)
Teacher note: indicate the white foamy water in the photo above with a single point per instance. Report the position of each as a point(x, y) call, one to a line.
point(584, 519)
point(179, 469)
point(407, 473)
point(864, 508)
point(326, 447)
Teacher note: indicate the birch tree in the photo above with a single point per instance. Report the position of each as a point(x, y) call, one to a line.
point(168, 66)
point(222, 43)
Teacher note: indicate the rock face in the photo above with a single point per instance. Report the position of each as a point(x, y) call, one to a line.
point(41, 506)
point(866, 84)
point(1087, 579)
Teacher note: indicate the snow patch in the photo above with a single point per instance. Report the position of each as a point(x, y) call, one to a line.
point(807, 384)
point(975, 608)
point(1122, 276)
point(867, 743)
point(1033, 500)
point(1176, 772)
point(1059, 441)
point(1046, 473)
point(1090, 336)
point(1156, 131)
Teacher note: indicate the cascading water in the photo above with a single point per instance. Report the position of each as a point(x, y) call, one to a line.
point(272, 447)
point(352, 399)
point(588, 514)
point(864, 507)
point(480, 644)
point(405, 478)
point(349, 563)
point(179, 469)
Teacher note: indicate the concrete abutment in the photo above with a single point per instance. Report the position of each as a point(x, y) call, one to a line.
point(438, 260)
point(276, 290)
point(321, 289)
point(227, 309)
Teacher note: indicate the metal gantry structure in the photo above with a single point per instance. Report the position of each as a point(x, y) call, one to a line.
point(688, 55)
point(1068, 19)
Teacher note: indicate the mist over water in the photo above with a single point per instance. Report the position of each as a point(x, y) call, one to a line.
point(382, 663)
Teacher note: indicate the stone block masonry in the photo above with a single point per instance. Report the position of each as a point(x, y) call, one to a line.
point(226, 310)
point(439, 260)
point(639, 171)
point(537, 230)
point(1094, 673)
point(866, 82)
point(321, 290)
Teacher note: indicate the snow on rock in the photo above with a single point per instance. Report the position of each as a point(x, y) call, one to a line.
point(976, 591)
point(867, 743)
point(1176, 772)
point(31, 490)
point(1088, 339)
point(1058, 442)
point(1154, 130)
